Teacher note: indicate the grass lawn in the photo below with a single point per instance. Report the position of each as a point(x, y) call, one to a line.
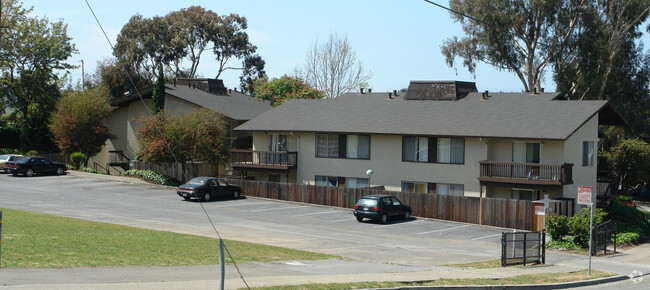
point(31, 240)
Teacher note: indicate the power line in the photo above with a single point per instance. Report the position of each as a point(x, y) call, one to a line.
point(183, 173)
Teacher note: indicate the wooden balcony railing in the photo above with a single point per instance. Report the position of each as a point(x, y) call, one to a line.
point(526, 173)
point(277, 160)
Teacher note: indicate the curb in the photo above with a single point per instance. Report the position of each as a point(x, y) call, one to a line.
point(528, 286)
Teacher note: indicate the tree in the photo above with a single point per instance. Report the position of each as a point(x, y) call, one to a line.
point(116, 78)
point(521, 36)
point(182, 36)
point(333, 67)
point(630, 160)
point(604, 61)
point(253, 70)
point(79, 123)
point(32, 51)
point(195, 136)
point(285, 88)
point(158, 94)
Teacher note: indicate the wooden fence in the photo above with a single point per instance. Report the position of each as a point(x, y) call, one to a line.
point(507, 213)
point(176, 171)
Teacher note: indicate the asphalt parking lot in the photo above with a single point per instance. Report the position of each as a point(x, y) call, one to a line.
point(418, 242)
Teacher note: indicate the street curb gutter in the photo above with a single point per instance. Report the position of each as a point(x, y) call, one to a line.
point(532, 286)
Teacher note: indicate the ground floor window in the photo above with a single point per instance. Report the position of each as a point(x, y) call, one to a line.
point(350, 182)
point(430, 187)
point(522, 194)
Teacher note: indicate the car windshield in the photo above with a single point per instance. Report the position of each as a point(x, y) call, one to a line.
point(367, 202)
point(22, 160)
point(197, 181)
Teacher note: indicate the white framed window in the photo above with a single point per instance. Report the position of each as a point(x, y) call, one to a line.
point(434, 150)
point(343, 146)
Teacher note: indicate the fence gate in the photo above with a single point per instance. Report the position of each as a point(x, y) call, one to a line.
point(602, 236)
point(523, 248)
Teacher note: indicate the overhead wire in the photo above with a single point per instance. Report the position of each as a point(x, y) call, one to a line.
point(183, 173)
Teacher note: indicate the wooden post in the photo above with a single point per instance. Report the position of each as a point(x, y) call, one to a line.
point(480, 206)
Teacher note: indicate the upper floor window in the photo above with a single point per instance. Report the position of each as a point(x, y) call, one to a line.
point(526, 152)
point(431, 149)
point(588, 153)
point(343, 146)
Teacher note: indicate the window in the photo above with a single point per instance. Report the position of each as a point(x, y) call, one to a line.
point(435, 150)
point(327, 145)
point(343, 146)
point(450, 189)
point(522, 194)
point(438, 188)
point(526, 152)
point(350, 182)
point(588, 153)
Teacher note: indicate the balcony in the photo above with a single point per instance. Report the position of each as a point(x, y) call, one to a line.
point(526, 175)
point(264, 160)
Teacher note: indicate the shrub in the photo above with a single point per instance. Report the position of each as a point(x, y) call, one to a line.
point(9, 151)
point(155, 177)
point(88, 169)
point(567, 244)
point(579, 225)
point(77, 158)
point(32, 153)
point(627, 237)
point(557, 226)
point(623, 198)
point(70, 167)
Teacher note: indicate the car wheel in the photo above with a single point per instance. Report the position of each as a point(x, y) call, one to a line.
point(29, 172)
point(59, 171)
point(384, 218)
point(207, 196)
point(359, 218)
point(186, 197)
point(407, 215)
point(235, 194)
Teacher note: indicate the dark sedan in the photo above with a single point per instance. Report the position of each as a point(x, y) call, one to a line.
point(381, 208)
point(207, 188)
point(31, 165)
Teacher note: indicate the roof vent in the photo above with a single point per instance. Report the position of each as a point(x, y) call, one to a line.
point(361, 90)
point(485, 95)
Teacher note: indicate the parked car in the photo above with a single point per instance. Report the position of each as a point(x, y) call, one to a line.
point(31, 165)
point(207, 188)
point(8, 157)
point(381, 208)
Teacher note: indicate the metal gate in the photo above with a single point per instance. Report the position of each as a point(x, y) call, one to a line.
point(523, 248)
point(603, 235)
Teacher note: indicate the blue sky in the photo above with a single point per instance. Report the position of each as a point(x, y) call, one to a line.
point(398, 41)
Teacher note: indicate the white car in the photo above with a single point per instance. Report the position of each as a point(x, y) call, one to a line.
point(8, 157)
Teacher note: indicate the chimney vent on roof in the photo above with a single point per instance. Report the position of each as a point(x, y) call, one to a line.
point(229, 91)
point(535, 91)
point(390, 95)
point(541, 90)
point(369, 90)
point(361, 90)
point(395, 93)
point(485, 95)
point(174, 82)
point(235, 90)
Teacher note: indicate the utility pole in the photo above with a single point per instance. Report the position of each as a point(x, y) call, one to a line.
point(83, 77)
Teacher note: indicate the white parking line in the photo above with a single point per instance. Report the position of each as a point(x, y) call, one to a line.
point(338, 221)
point(447, 229)
point(279, 208)
point(396, 224)
point(474, 239)
point(316, 213)
point(242, 204)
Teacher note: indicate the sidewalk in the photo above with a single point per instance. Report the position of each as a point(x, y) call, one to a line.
point(630, 260)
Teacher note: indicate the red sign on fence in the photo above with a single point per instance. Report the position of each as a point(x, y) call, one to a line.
point(584, 195)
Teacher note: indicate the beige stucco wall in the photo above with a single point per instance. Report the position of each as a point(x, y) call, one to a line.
point(582, 175)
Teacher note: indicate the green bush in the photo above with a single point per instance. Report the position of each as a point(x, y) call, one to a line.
point(9, 151)
point(32, 153)
point(88, 169)
point(155, 177)
point(623, 198)
point(557, 226)
point(627, 237)
point(70, 167)
point(579, 225)
point(77, 158)
point(567, 244)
